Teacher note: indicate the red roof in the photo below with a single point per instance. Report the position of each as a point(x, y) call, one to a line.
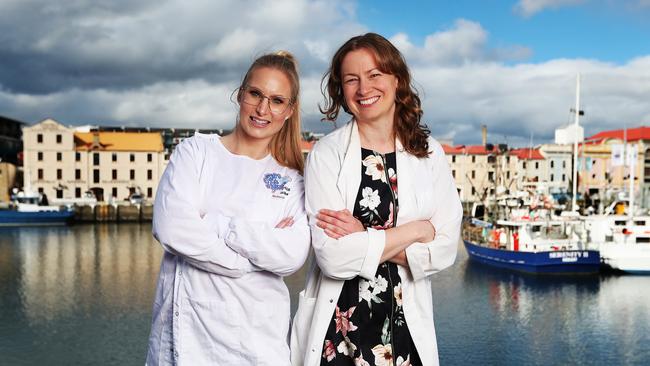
point(527, 154)
point(468, 149)
point(633, 134)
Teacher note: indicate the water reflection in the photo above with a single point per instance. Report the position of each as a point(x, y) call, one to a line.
point(598, 319)
point(83, 294)
point(70, 270)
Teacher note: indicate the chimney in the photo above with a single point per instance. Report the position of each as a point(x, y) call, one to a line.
point(484, 134)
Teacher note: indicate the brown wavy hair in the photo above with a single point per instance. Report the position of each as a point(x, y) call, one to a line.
point(285, 145)
point(408, 112)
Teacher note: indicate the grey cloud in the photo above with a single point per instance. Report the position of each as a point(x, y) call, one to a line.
point(47, 48)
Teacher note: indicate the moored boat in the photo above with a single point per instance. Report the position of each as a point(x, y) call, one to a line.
point(541, 246)
point(29, 209)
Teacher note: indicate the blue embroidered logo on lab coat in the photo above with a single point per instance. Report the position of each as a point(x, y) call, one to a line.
point(277, 184)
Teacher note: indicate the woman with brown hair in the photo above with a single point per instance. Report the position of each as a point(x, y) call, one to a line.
point(229, 213)
point(368, 296)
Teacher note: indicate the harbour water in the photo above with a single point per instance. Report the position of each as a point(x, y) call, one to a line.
point(81, 295)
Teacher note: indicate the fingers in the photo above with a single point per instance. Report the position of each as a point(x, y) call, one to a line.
point(332, 234)
point(342, 215)
point(284, 223)
point(331, 228)
point(330, 219)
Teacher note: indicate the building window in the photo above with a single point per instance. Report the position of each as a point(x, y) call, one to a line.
point(114, 192)
point(77, 174)
point(96, 175)
point(59, 193)
point(59, 174)
point(536, 165)
point(77, 156)
point(114, 157)
point(39, 138)
point(563, 177)
point(149, 192)
point(40, 174)
point(149, 174)
point(453, 158)
point(96, 159)
point(132, 174)
point(59, 156)
point(132, 158)
point(473, 159)
point(473, 174)
point(149, 158)
point(524, 164)
point(40, 156)
point(40, 190)
point(507, 159)
point(59, 138)
point(453, 173)
point(564, 164)
point(552, 178)
point(114, 174)
point(77, 192)
point(507, 175)
point(490, 176)
point(473, 191)
point(552, 165)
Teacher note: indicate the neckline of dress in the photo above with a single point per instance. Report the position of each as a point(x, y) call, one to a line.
point(377, 152)
point(245, 157)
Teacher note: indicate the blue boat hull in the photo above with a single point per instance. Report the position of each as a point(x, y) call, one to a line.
point(555, 262)
point(17, 218)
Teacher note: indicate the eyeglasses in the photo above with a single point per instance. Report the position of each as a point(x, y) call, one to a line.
point(253, 97)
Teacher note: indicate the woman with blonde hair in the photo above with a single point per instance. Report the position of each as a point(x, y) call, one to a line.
point(229, 214)
point(384, 214)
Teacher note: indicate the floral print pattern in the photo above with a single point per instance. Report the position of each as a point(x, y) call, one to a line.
point(368, 327)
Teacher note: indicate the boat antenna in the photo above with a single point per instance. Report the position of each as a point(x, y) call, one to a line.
point(574, 207)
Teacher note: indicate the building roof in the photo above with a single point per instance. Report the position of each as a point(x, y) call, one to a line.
point(306, 146)
point(633, 134)
point(527, 154)
point(468, 149)
point(119, 141)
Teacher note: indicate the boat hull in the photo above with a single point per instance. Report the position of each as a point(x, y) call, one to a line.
point(18, 218)
point(630, 258)
point(554, 262)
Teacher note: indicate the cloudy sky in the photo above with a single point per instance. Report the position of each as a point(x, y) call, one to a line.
point(510, 65)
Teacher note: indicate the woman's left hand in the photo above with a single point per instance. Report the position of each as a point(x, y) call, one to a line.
point(338, 224)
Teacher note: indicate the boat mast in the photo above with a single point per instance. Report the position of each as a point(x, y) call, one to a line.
point(629, 156)
point(574, 207)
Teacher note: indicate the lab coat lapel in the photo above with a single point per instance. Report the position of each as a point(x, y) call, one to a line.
point(350, 176)
point(406, 172)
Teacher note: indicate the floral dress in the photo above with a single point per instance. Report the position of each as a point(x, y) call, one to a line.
point(368, 325)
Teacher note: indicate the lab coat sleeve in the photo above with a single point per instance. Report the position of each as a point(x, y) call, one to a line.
point(179, 225)
point(425, 259)
point(356, 254)
point(280, 251)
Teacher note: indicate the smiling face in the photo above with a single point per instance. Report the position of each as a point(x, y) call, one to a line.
point(368, 92)
point(259, 103)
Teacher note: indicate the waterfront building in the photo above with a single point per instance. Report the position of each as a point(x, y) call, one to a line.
point(11, 143)
point(477, 170)
point(7, 180)
point(603, 177)
point(64, 163)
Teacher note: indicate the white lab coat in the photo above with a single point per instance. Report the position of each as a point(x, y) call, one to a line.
point(220, 297)
point(426, 192)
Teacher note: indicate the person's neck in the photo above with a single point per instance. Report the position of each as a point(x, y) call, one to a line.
point(377, 135)
point(239, 143)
